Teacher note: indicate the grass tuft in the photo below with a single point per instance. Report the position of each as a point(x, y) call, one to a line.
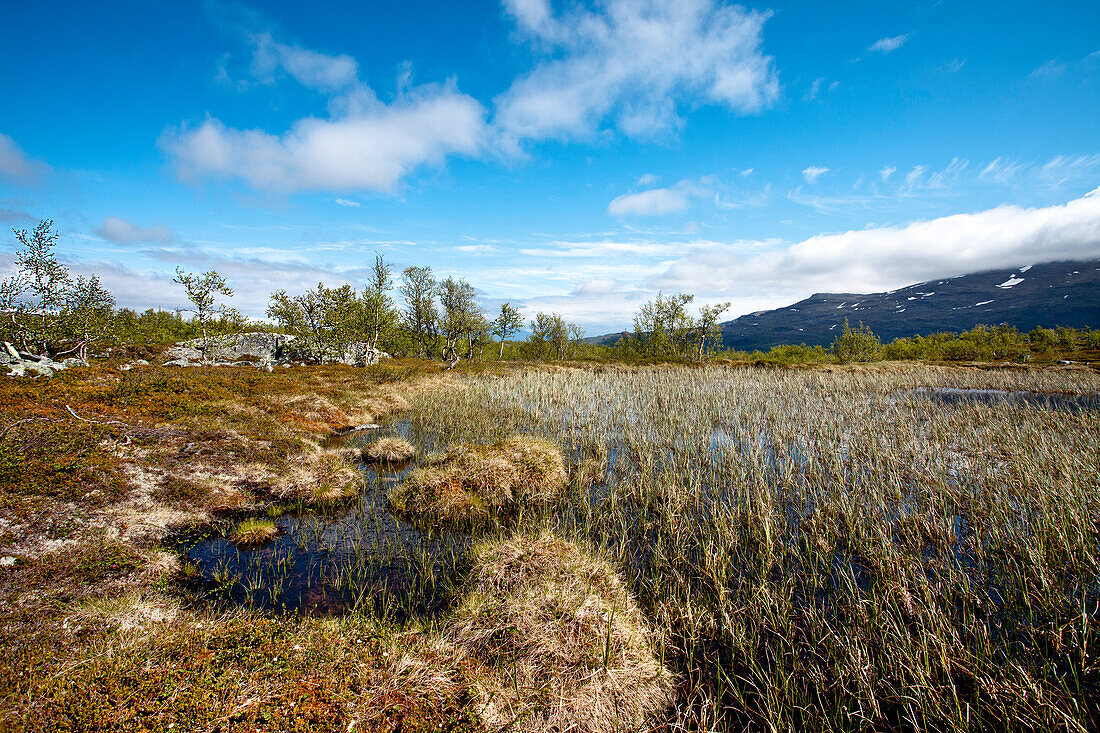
point(551, 639)
point(475, 482)
point(254, 532)
point(389, 449)
point(318, 477)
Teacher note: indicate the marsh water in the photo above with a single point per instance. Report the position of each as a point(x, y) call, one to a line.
point(356, 556)
point(362, 556)
point(1016, 397)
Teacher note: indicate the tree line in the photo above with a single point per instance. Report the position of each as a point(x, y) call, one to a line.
point(47, 311)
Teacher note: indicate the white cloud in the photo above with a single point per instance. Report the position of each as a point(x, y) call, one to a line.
point(655, 202)
point(631, 65)
point(348, 203)
point(1059, 171)
point(308, 68)
point(1001, 170)
point(365, 144)
point(647, 179)
point(886, 172)
point(883, 258)
point(814, 172)
point(372, 147)
point(954, 66)
point(121, 231)
point(596, 286)
point(886, 45)
point(16, 165)
point(1064, 169)
point(477, 249)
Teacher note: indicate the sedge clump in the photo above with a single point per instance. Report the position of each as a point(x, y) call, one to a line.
point(389, 450)
point(474, 482)
point(551, 639)
point(254, 532)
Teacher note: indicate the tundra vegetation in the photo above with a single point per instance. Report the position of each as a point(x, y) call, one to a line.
point(47, 312)
point(645, 537)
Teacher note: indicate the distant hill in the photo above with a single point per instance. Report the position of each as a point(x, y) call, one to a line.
point(1050, 294)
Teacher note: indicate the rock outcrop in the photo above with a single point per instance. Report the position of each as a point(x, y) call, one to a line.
point(24, 364)
point(262, 350)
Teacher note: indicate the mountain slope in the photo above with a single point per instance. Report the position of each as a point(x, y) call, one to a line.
point(1050, 294)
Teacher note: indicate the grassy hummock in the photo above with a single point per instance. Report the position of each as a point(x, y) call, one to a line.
point(254, 532)
point(389, 450)
point(551, 639)
point(474, 482)
point(318, 477)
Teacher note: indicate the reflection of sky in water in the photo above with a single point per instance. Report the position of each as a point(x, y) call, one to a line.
point(365, 555)
point(358, 556)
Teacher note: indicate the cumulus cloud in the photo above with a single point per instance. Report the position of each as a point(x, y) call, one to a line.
point(882, 258)
point(364, 144)
point(654, 202)
point(631, 65)
point(371, 148)
point(814, 172)
point(886, 45)
point(121, 231)
point(16, 166)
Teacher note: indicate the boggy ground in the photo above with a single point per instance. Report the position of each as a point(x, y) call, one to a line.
point(97, 466)
point(818, 549)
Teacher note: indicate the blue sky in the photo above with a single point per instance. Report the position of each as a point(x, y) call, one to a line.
point(575, 157)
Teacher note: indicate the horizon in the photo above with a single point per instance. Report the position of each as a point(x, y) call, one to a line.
point(576, 159)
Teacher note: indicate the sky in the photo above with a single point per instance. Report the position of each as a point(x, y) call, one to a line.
point(575, 157)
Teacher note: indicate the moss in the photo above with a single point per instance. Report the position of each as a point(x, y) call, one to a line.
point(176, 490)
point(475, 482)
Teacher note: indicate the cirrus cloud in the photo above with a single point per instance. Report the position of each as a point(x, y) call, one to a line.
point(886, 45)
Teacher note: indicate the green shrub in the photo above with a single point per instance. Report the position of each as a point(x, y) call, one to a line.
point(858, 345)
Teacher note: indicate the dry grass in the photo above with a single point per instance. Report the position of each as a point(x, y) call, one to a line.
point(254, 532)
point(390, 449)
point(551, 640)
point(318, 477)
point(834, 550)
point(474, 482)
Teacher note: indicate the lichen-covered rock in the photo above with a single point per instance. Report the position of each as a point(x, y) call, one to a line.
point(260, 349)
point(23, 364)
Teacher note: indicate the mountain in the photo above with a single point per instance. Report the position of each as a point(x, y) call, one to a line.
point(1050, 294)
